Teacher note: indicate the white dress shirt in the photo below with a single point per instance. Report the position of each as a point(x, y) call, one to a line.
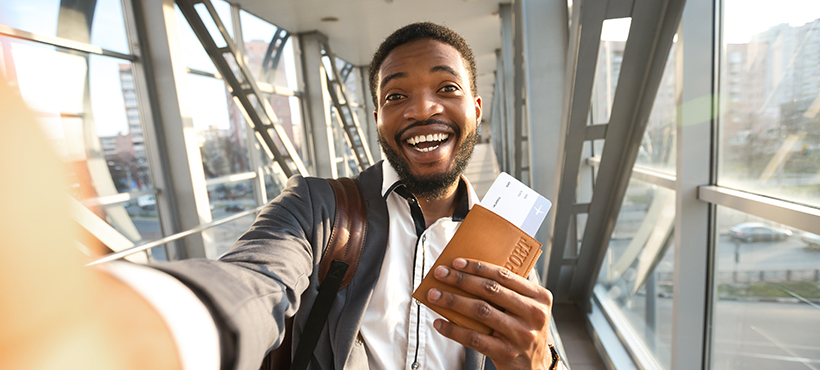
point(397, 331)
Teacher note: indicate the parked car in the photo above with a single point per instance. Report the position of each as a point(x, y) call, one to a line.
point(147, 202)
point(811, 240)
point(234, 208)
point(754, 231)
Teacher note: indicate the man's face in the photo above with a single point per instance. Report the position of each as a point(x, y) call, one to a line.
point(427, 116)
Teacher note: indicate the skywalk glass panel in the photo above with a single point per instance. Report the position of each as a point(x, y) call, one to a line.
point(770, 99)
point(658, 146)
point(88, 108)
point(101, 25)
point(637, 273)
point(269, 50)
point(271, 59)
point(767, 295)
point(228, 199)
point(608, 68)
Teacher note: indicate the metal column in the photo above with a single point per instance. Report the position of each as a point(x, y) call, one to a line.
point(694, 241)
point(545, 49)
point(318, 131)
point(176, 153)
point(508, 89)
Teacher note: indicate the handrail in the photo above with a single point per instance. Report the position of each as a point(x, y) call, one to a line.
point(167, 239)
point(108, 200)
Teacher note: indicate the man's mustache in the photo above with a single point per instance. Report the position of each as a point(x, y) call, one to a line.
point(427, 122)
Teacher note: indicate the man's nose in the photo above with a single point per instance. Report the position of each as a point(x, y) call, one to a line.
point(423, 107)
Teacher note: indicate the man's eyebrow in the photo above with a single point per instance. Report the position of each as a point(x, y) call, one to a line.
point(391, 77)
point(444, 69)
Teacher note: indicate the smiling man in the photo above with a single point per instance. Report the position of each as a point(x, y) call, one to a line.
point(423, 83)
point(428, 112)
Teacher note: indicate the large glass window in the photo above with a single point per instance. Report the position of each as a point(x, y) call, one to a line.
point(638, 269)
point(100, 23)
point(88, 108)
point(770, 99)
point(658, 146)
point(608, 68)
point(767, 306)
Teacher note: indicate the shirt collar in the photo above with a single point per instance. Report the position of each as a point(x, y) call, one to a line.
point(466, 193)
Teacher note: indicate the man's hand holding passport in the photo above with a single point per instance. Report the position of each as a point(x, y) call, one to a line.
point(498, 231)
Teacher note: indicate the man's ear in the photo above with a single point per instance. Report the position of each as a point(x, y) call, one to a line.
point(478, 109)
point(376, 116)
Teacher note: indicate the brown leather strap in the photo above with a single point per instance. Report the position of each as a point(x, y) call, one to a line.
point(349, 229)
point(345, 244)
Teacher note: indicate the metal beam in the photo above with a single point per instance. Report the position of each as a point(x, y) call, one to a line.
point(654, 24)
point(795, 215)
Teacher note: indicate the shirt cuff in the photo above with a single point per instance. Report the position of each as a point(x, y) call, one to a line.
point(191, 325)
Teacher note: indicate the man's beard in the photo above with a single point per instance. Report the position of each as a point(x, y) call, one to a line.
point(432, 186)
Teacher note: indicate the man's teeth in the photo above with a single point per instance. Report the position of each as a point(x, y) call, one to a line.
point(424, 138)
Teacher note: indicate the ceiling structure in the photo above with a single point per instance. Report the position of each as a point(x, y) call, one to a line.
point(363, 24)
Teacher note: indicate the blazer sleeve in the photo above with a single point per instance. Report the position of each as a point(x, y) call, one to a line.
point(254, 287)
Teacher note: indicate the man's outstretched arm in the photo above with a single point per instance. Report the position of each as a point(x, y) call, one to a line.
point(55, 313)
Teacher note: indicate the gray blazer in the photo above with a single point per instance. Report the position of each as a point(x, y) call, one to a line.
point(271, 273)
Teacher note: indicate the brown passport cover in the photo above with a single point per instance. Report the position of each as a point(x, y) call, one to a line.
point(483, 236)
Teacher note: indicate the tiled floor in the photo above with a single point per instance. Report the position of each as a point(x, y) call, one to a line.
point(580, 351)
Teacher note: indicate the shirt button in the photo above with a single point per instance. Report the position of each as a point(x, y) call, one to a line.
point(415, 365)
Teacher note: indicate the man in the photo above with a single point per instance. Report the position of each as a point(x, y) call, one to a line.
point(423, 84)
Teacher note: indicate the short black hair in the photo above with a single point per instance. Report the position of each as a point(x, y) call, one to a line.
point(419, 31)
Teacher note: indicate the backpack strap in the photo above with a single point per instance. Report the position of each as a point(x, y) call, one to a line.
point(349, 229)
point(338, 266)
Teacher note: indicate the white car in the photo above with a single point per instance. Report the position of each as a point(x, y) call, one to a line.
point(755, 231)
point(146, 202)
point(811, 240)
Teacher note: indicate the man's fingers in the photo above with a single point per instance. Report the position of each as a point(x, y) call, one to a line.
point(499, 274)
point(483, 312)
point(500, 293)
point(490, 346)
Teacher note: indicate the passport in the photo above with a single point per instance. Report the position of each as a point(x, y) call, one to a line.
point(491, 237)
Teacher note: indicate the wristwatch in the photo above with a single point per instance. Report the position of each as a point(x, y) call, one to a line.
point(555, 358)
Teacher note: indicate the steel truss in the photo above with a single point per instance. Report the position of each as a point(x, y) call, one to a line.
point(343, 108)
point(653, 27)
point(231, 64)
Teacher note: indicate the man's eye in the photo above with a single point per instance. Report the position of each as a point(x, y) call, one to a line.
point(392, 97)
point(449, 88)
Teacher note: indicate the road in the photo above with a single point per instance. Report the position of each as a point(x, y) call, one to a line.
point(789, 254)
point(217, 239)
point(747, 335)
